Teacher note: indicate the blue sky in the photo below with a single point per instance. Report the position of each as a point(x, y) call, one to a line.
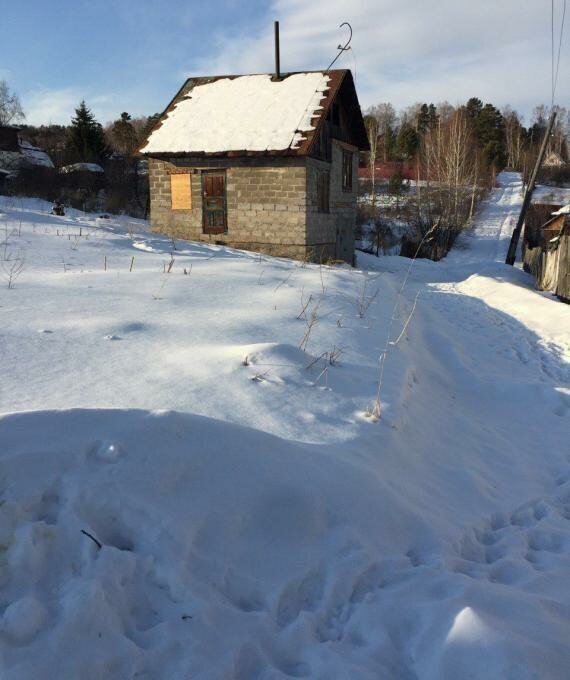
point(133, 55)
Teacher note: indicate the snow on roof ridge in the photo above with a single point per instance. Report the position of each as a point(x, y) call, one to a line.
point(242, 113)
point(564, 210)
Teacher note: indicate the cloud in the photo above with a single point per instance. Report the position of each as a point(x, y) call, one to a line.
point(409, 51)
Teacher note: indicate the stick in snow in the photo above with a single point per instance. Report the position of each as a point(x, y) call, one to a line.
point(99, 545)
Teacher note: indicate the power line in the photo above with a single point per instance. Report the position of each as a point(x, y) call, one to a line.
point(551, 53)
point(555, 76)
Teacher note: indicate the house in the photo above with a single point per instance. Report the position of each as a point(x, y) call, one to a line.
point(93, 168)
point(546, 254)
point(553, 160)
point(16, 154)
point(4, 179)
point(383, 170)
point(261, 162)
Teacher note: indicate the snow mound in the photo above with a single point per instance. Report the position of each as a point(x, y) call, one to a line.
point(269, 558)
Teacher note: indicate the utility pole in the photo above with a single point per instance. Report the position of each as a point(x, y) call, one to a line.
point(511, 255)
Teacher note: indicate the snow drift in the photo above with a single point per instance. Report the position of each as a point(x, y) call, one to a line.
point(243, 519)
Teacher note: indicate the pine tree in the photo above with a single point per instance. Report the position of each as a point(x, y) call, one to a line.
point(473, 108)
point(124, 134)
point(407, 141)
point(86, 139)
point(490, 132)
point(433, 116)
point(488, 128)
point(150, 123)
point(423, 118)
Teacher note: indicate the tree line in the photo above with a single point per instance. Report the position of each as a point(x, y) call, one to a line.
point(84, 140)
point(497, 137)
point(454, 153)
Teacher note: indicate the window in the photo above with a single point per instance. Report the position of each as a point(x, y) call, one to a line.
point(180, 191)
point(346, 171)
point(323, 180)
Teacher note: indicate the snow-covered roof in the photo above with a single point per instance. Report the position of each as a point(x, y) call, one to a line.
point(242, 113)
point(34, 155)
point(82, 167)
point(564, 210)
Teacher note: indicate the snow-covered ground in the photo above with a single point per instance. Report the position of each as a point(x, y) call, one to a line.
point(254, 523)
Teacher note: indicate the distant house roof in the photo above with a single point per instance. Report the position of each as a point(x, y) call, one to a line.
point(253, 114)
point(553, 160)
point(34, 155)
point(17, 154)
point(81, 167)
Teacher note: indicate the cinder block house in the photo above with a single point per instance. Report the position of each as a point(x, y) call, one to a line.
point(260, 162)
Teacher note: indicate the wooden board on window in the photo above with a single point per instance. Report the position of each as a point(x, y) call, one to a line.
point(181, 191)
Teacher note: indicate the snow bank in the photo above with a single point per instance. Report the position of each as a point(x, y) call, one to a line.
point(245, 113)
point(227, 552)
point(253, 523)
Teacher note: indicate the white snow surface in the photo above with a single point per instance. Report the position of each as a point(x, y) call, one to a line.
point(245, 113)
point(253, 522)
point(564, 210)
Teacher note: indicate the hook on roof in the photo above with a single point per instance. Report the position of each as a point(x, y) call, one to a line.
point(342, 48)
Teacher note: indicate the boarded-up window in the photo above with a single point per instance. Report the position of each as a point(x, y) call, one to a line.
point(323, 181)
point(346, 171)
point(181, 191)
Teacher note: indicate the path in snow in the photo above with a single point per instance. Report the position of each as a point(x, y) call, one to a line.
point(489, 236)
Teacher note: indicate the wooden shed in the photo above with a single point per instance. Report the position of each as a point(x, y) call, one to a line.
point(260, 162)
point(547, 256)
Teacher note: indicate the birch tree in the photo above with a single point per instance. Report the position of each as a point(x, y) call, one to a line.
point(10, 108)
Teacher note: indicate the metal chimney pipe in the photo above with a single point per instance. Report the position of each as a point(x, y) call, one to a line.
point(277, 65)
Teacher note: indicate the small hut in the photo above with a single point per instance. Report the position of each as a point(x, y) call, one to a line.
point(546, 254)
point(264, 162)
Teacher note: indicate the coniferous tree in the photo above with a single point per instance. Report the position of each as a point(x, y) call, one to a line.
point(423, 118)
point(407, 141)
point(488, 128)
point(427, 118)
point(433, 116)
point(86, 139)
point(150, 123)
point(124, 134)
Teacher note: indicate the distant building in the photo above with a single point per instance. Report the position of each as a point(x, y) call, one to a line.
point(260, 162)
point(383, 170)
point(16, 154)
point(4, 178)
point(546, 253)
point(81, 167)
point(553, 160)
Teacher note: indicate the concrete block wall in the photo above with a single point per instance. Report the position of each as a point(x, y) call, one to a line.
point(266, 202)
point(331, 234)
point(271, 205)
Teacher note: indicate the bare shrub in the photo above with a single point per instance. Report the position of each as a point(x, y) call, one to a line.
point(12, 268)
